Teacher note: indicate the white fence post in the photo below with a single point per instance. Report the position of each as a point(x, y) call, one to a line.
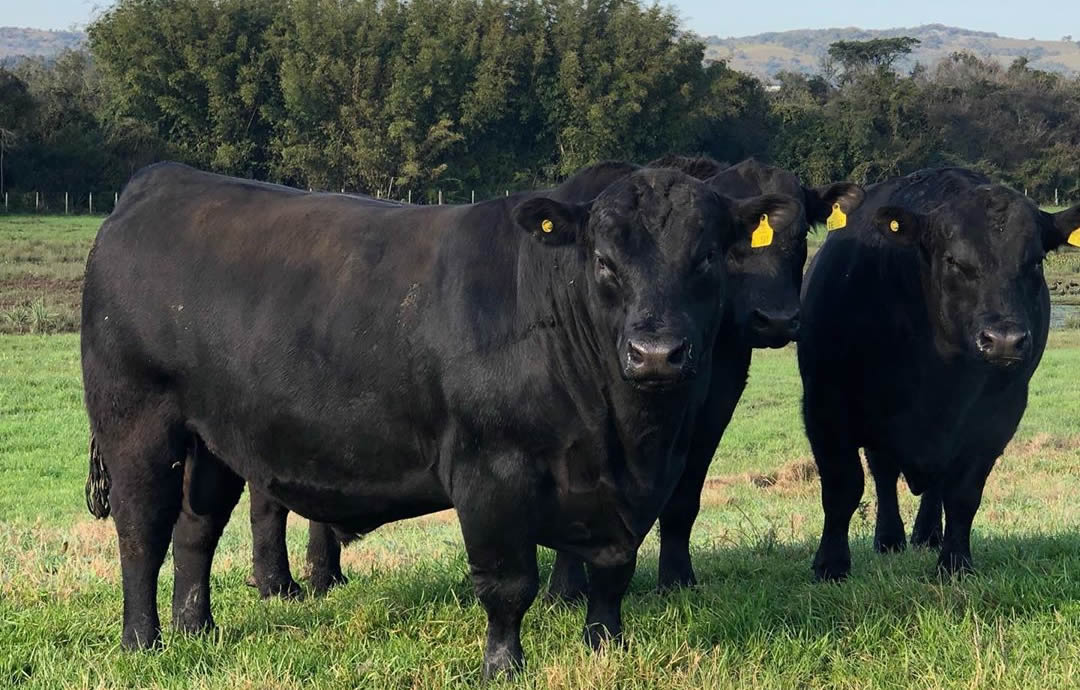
point(409, 196)
point(37, 200)
point(65, 204)
point(507, 192)
point(91, 203)
point(440, 197)
point(115, 198)
point(473, 196)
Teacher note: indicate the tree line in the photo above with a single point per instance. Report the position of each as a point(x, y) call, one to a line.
point(389, 96)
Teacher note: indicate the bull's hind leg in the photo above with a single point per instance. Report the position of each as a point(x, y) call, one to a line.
point(608, 585)
point(324, 558)
point(142, 446)
point(927, 531)
point(567, 581)
point(889, 532)
point(211, 491)
point(270, 557)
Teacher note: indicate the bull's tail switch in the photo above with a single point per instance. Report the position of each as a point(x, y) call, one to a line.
point(97, 483)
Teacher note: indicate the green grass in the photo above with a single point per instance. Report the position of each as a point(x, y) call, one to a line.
point(408, 619)
point(41, 270)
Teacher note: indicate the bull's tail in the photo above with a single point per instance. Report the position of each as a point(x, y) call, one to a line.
point(97, 484)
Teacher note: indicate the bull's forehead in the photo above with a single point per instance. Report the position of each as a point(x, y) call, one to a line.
point(663, 210)
point(993, 224)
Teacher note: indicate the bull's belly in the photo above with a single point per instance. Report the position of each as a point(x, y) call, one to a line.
point(347, 476)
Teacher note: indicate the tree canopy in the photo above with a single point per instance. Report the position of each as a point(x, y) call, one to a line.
point(367, 96)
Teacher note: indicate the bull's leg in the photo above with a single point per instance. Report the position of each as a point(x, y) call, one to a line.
point(568, 581)
point(889, 534)
point(841, 488)
point(211, 491)
point(927, 531)
point(142, 446)
point(677, 521)
point(603, 620)
point(962, 494)
point(270, 556)
point(324, 558)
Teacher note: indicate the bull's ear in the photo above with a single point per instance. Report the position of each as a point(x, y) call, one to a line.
point(760, 217)
point(832, 203)
point(551, 222)
point(1063, 228)
point(900, 225)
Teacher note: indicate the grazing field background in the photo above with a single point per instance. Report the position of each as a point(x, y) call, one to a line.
point(408, 618)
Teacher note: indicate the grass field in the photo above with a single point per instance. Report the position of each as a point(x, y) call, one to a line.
point(408, 619)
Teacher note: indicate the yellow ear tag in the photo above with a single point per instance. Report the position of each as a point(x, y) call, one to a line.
point(894, 225)
point(546, 225)
point(837, 219)
point(763, 234)
point(1074, 238)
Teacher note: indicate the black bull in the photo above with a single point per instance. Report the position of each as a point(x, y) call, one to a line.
point(534, 365)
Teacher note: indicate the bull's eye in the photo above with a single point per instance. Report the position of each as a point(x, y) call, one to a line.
point(706, 262)
point(604, 269)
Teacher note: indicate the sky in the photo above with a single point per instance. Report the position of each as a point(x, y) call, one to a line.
point(1042, 19)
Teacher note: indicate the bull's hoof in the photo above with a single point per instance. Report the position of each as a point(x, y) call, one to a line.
point(193, 624)
point(676, 579)
point(503, 662)
point(833, 570)
point(955, 564)
point(322, 582)
point(890, 542)
point(599, 636)
point(926, 538)
point(135, 640)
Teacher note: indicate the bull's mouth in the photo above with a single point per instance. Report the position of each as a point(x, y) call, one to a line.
point(659, 384)
point(771, 341)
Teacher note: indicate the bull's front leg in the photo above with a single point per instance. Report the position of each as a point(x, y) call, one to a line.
point(501, 547)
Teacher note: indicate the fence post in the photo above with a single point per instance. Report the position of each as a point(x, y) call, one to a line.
point(410, 196)
point(1055, 196)
point(378, 193)
point(5, 202)
point(473, 197)
point(115, 198)
point(65, 204)
point(37, 200)
point(507, 192)
point(91, 203)
point(440, 197)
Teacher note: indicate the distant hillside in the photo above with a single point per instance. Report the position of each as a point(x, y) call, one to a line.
point(17, 43)
point(802, 50)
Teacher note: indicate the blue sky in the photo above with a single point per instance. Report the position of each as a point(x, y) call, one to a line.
point(1044, 19)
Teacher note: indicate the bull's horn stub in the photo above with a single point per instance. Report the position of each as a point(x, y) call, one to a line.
point(763, 234)
point(837, 219)
point(1074, 238)
point(546, 225)
point(894, 225)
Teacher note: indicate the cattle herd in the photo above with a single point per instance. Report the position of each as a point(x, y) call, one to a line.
point(557, 366)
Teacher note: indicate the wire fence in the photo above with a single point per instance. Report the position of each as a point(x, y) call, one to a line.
point(103, 202)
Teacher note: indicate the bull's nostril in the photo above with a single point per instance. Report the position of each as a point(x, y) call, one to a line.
point(677, 355)
point(985, 341)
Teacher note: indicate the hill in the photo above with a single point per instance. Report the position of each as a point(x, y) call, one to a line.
point(17, 43)
point(801, 51)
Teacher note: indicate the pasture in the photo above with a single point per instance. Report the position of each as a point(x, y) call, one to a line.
point(408, 618)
